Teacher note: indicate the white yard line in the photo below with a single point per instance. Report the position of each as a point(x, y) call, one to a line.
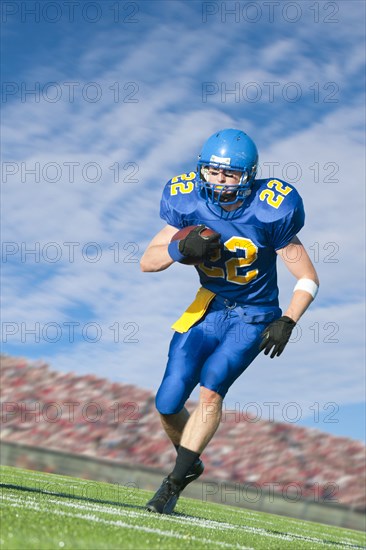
point(199, 522)
point(119, 523)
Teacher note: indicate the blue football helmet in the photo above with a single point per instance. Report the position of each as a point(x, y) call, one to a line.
point(229, 150)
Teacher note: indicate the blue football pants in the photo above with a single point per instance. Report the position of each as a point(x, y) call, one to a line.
point(213, 353)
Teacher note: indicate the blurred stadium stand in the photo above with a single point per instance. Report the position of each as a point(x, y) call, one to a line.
point(86, 416)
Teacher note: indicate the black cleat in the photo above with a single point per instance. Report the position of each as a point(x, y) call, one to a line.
point(194, 473)
point(165, 498)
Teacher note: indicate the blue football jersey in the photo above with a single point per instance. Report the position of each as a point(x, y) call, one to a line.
point(244, 270)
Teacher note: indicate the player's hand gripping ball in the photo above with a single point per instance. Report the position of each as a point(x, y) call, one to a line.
point(276, 336)
point(197, 243)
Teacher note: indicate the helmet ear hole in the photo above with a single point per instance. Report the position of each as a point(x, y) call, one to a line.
point(244, 178)
point(204, 173)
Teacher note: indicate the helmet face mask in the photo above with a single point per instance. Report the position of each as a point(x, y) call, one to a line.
point(223, 193)
point(233, 154)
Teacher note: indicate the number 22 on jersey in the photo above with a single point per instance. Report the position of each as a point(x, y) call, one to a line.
point(270, 196)
point(185, 185)
point(233, 265)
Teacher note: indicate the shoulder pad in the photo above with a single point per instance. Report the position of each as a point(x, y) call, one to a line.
point(181, 189)
point(179, 199)
point(275, 199)
point(182, 184)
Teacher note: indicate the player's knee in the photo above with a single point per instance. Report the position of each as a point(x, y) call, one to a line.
point(166, 404)
point(173, 393)
point(166, 409)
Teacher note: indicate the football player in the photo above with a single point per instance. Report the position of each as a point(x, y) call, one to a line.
point(236, 313)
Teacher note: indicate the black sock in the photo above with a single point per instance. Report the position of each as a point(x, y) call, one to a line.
point(185, 460)
point(177, 447)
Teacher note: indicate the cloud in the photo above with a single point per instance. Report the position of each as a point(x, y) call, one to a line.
point(317, 143)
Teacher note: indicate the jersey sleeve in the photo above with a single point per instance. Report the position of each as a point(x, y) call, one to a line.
point(179, 201)
point(167, 212)
point(285, 229)
point(280, 208)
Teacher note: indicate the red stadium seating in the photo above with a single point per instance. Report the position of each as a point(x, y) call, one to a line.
point(86, 415)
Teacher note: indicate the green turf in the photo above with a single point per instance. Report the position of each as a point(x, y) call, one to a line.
point(47, 511)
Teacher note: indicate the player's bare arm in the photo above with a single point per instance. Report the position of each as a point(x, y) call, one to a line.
point(300, 265)
point(276, 336)
point(156, 256)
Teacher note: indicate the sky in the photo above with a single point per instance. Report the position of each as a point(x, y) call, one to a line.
point(102, 103)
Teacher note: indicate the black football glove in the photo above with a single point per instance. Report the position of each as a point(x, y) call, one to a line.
point(196, 246)
point(276, 336)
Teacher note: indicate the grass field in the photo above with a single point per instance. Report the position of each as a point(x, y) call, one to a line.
point(47, 511)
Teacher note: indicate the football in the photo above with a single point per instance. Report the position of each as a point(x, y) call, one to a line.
point(182, 233)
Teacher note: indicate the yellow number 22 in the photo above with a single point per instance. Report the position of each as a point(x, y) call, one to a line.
point(270, 196)
point(234, 264)
point(185, 185)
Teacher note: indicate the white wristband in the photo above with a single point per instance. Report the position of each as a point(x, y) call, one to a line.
point(308, 285)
